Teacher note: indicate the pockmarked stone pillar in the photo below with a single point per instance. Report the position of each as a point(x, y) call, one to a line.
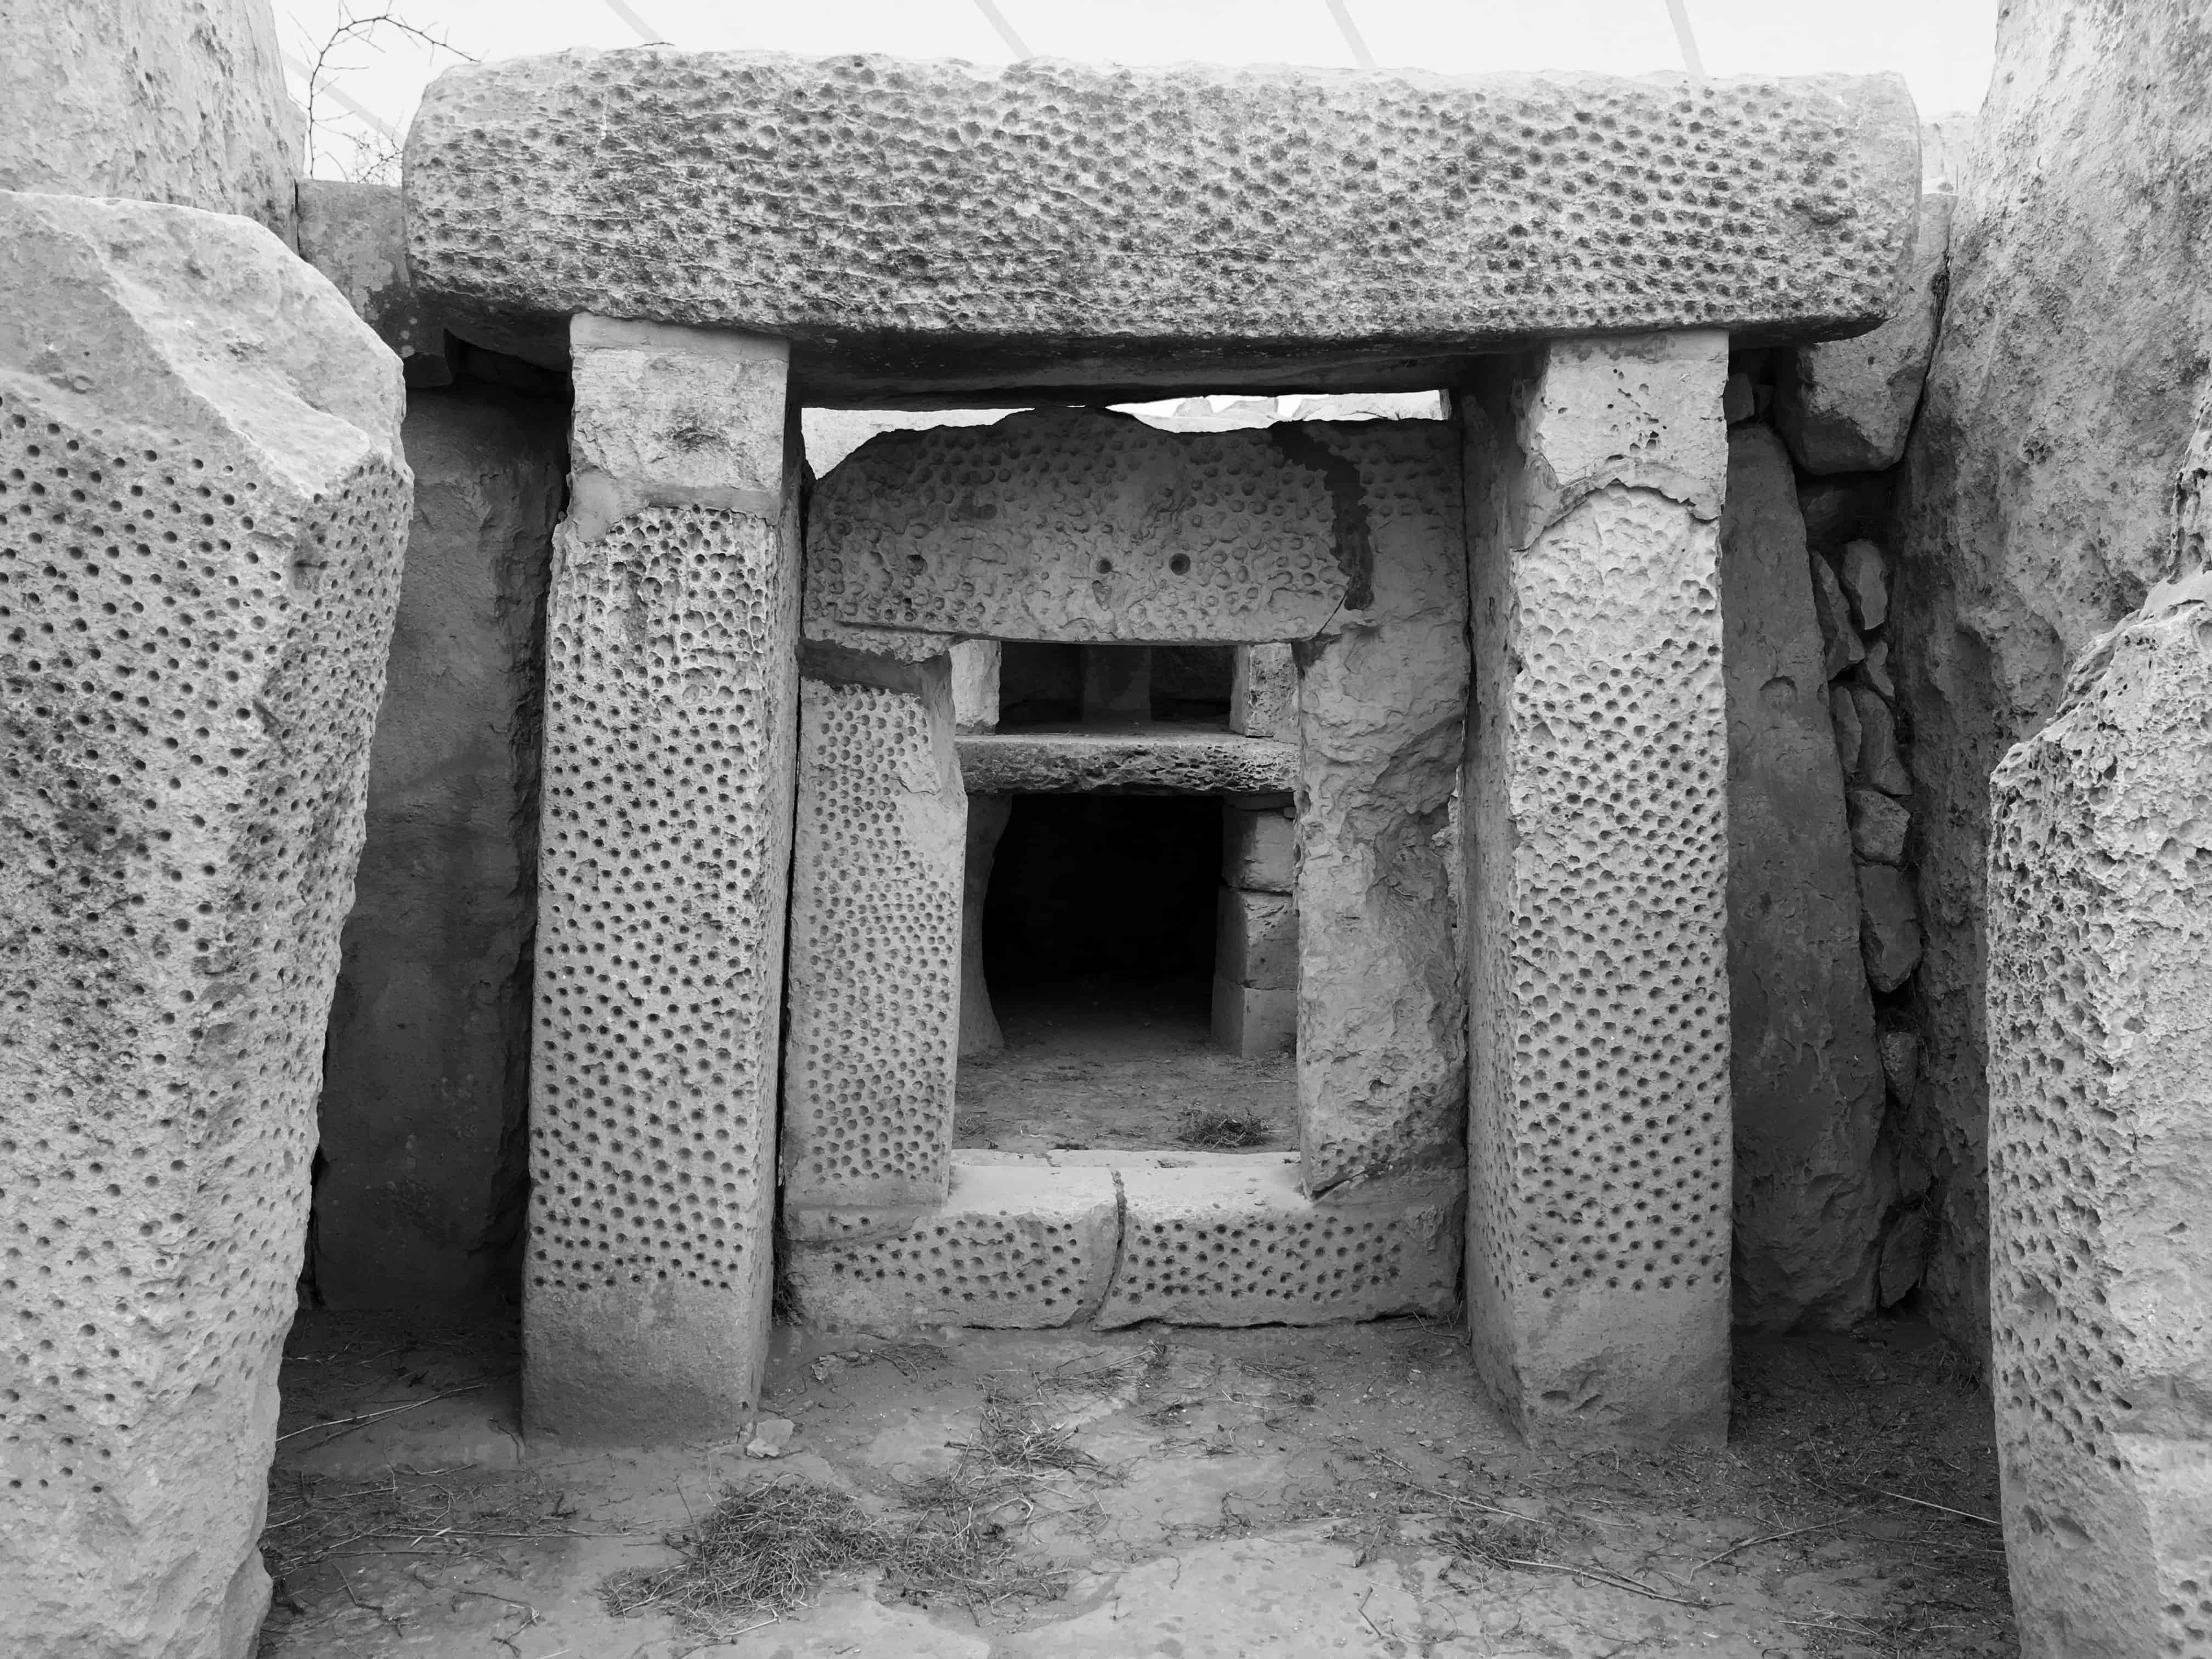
point(1595, 815)
point(665, 853)
point(872, 989)
point(2101, 1146)
point(202, 514)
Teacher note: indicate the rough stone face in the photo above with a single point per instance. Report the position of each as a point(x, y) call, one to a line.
point(933, 223)
point(1381, 717)
point(1074, 523)
point(1259, 849)
point(1805, 1073)
point(354, 234)
point(1160, 761)
point(2100, 977)
point(671, 705)
point(979, 1022)
point(1889, 925)
point(975, 685)
point(1865, 576)
point(1846, 406)
point(164, 100)
point(1255, 971)
point(1880, 764)
point(1878, 827)
point(872, 976)
point(425, 1086)
point(1843, 646)
point(1263, 696)
point(1598, 1141)
point(2034, 510)
point(1843, 717)
point(202, 509)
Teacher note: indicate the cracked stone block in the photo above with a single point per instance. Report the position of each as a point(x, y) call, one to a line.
point(1598, 1138)
point(1403, 187)
point(1381, 706)
point(1263, 696)
point(204, 510)
point(1012, 1247)
point(671, 715)
point(872, 972)
point(2100, 977)
point(1259, 847)
point(1806, 1079)
point(1234, 1244)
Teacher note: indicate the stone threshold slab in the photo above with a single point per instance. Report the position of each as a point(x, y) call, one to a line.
point(1025, 1243)
point(1146, 760)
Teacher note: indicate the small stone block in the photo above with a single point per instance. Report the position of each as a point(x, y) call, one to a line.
point(1889, 925)
point(1878, 826)
point(1865, 577)
point(1253, 1020)
point(1258, 850)
point(1223, 1245)
point(1013, 1247)
point(1879, 762)
point(1255, 939)
point(1263, 693)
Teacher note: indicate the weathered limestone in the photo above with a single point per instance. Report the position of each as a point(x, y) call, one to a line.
point(1382, 705)
point(203, 508)
point(979, 1022)
point(1255, 972)
point(670, 713)
point(874, 977)
point(424, 1082)
point(2033, 512)
point(1259, 847)
point(1805, 1075)
point(2099, 978)
point(1076, 524)
point(1598, 1140)
point(1846, 406)
point(165, 101)
point(926, 226)
point(975, 685)
point(354, 234)
point(1263, 696)
point(1889, 925)
point(1162, 761)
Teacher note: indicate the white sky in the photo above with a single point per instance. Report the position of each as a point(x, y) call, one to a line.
point(1942, 47)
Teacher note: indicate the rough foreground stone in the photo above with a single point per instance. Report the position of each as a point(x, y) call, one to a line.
point(1805, 1074)
point(425, 1084)
point(1595, 821)
point(1079, 523)
point(872, 976)
point(671, 709)
point(164, 100)
point(910, 224)
point(203, 508)
point(1846, 405)
point(1162, 760)
point(2033, 512)
point(2100, 977)
point(1381, 706)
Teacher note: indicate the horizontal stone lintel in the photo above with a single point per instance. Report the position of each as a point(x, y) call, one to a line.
point(1154, 760)
point(915, 225)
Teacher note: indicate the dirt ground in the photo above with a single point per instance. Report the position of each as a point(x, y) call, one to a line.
point(1198, 1494)
point(1105, 1064)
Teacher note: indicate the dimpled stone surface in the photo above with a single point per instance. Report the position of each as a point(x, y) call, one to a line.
point(1152, 760)
point(202, 514)
point(1066, 208)
point(1070, 524)
point(2100, 1265)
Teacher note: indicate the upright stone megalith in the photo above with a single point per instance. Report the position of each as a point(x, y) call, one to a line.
point(1596, 822)
point(664, 854)
point(2101, 1146)
point(203, 512)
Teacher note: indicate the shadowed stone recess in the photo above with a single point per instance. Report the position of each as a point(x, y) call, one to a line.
point(901, 220)
point(202, 514)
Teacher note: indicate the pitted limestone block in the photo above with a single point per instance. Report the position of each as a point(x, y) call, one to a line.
point(1259, 847)
point(872, 980)
point(976, 684)
point(1255, 938)
point(2100, 977)
point(1077, 524)
point(1253, 1020)
point(1806, 1078)
point(202, 514)
point(1017, 1248)
point(1161, 760)
point(1225, 1244)
point(1263, 697)
point(1599, 1137)
point(1381, 715)
point(354, 235)
point(907, 221)
point(168, 100)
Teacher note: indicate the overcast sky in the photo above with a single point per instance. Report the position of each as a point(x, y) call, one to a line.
point(1941, 47)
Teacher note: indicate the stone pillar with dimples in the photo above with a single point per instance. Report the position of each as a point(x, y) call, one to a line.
point(1599, 1134)
point(671, 712)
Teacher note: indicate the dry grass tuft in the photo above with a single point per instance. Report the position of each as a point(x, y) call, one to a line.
point(1224, 1132)
point(317, 1518)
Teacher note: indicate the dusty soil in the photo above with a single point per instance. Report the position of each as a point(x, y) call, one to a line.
point(1203, 1494)
point(1106, 1065)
